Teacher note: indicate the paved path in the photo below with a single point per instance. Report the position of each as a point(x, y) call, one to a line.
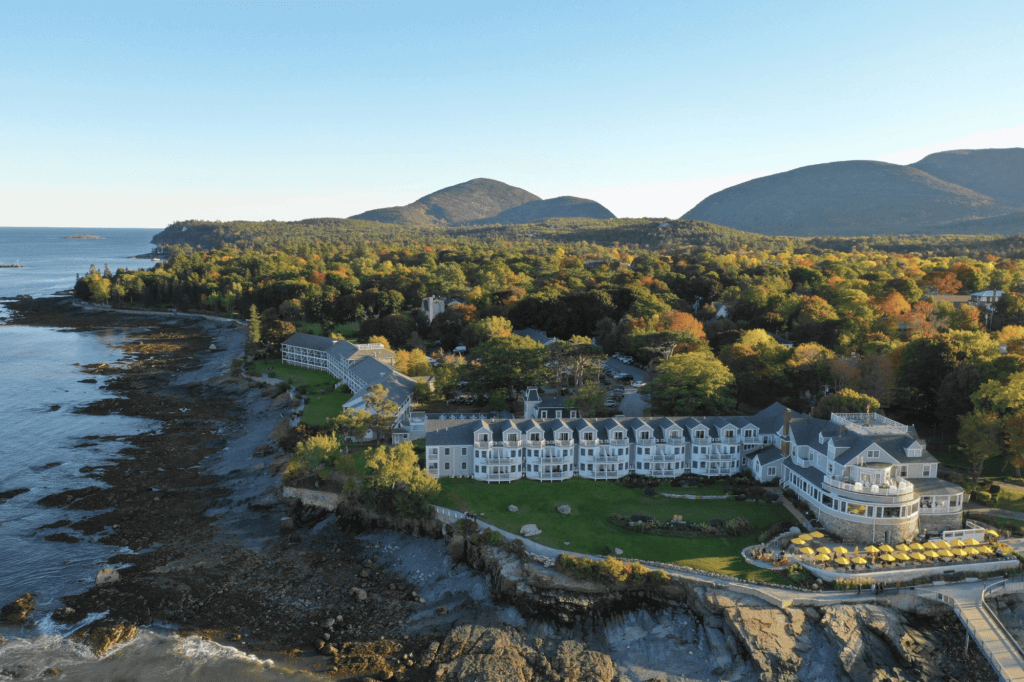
point(973, 508)
point(633, 404)
point(995, 641)
point(797, 514)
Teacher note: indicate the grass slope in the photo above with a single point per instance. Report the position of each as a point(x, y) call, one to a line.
point(318, 406)
point(589, 530)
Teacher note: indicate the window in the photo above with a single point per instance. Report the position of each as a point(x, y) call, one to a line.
point(447, 465)
point(873, 454)
point(463, 451)
point(447, 451)
point(463, 466)
point(926, 471)
point(771, 471)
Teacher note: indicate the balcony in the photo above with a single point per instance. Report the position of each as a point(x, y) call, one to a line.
point(604, 459)
point(729, 440)
point(674, 441)
point(902, 487)
point(645, 441)
point(482, 443)
point(659, 458)
point(618, 441)
point(501, 460)
point(701, 441)
point(550, 459)
point(499, 478)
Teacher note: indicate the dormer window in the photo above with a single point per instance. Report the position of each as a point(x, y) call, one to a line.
point(914, 451)
point(645, 434)
point(674, 434)
point(482, 437)
point(874, 454)
point(534, 437)
point(728, 434)
point(512, 437)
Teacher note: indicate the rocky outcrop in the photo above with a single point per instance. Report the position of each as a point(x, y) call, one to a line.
point(472, 653)
point(17, 612)
point(103, 638)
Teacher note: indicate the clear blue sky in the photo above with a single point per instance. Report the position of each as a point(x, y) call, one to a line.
point(141, 113)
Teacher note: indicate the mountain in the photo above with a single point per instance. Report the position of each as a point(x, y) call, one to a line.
point(997, 173)
point(966, 190)
point(482, 201)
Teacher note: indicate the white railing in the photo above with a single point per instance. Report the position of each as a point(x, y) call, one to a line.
point(868, 422)
point(903, 487)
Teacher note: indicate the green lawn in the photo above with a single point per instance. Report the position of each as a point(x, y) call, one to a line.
point(318, 406)
point(1009, 499)
point(589, 530)
point(347, 329)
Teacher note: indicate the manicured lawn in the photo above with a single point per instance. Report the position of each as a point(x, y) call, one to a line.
point(318, 406)
point(588, 529)
point(1009, 499)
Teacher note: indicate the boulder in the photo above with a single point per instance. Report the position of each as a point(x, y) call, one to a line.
point(107, 576)
point(618, 552)
point(529, 530)
point(213, 346)
point(359, 593)
point(513, 508)
point(564, 509)
point(18, 610)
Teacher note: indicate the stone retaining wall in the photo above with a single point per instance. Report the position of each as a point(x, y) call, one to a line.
point(865, 532)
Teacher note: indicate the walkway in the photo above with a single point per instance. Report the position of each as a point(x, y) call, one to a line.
point(996, 642)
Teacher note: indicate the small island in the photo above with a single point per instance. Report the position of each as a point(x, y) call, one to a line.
point(82, 236)
point(12, 265)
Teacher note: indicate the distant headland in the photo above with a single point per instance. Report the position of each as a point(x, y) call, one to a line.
point(12, 265)
point(82, 236)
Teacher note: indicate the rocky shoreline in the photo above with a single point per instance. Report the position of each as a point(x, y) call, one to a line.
point(195, 502)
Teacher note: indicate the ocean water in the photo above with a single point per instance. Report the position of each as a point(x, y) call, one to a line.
point(39, 392)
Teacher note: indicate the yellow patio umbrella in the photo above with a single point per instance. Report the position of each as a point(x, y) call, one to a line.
point(798, 541)
point(887, 549)
point(823, 557)
point(958, 543)
point(986, 550)
point(806, 537)
point(901, 556)
point(972, 542)
point(930, 545)
point(942, 544)
point(991, 532)
point(932, 554)
point(842, 561)
point(957, 551)
point(972, 551)
point(806, 550)
point(902, 548)
point(871, 549)
point(945, 553)
point(887, 557)
point(840, 550)
point(824, 550)
point(817, 535)
point(917, 556)
point(859, 560)
point(917, 546)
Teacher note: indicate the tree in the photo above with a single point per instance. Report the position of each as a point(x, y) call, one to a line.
point(507, 363)
point(979, 438)
point(252, 337)
point(588, 398)
point(488, 328)
point(351, 424)
point(1013, 437)
point(693, 383)
point(314, 456)
point(846, 400)
point(447, 279)
point(395, 482)
point(383, 411)
point(999, 397)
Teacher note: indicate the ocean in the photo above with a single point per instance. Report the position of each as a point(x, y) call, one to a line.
point(39, 392)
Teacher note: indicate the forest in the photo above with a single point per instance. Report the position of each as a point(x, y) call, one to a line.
point(723, 320)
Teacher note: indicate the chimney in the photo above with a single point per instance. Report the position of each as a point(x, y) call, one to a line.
point(842, 429)
point(785, 431)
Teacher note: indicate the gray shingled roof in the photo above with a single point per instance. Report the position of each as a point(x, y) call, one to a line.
point(320, 343)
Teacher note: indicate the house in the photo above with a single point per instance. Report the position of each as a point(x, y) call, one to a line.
point(536, 407)
point(867, 478)
point(434, 305)
point(357, 365)
point(985, 299)
point(535, 334)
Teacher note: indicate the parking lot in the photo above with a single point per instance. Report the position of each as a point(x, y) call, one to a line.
point(629, 401)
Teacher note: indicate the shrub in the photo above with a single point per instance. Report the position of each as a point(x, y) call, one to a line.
point(994, 490)
point(982, 497)
point(610, 570)
point(650, 492)
point(739, 526)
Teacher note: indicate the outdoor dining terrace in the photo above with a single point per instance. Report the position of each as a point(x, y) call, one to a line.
point(816, 550)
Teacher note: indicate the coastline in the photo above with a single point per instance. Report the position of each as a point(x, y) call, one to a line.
point(198, 503)
point(195, 502)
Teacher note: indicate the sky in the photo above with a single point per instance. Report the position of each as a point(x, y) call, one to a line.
point(141, 113)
